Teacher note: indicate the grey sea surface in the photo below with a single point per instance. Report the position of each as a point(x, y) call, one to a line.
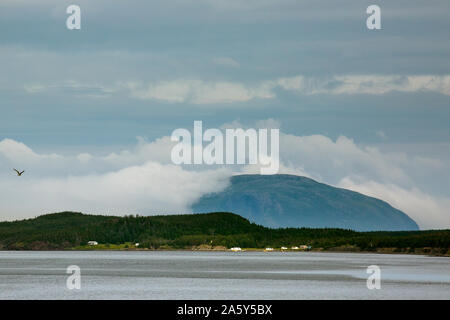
point(220, 275)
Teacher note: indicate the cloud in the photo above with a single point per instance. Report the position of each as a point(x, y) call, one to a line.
point(14, 153)
point(226, 62)
point(147, 189)
point(283, 169)
point(206, 92)
point(198, 92)
point(381, 134)
point(19, 152)
point(395, 177)
point(71, 87)
point(269, 123)
point(142, 179)
point(428, 211)
point(365, 84)
point(329, 160)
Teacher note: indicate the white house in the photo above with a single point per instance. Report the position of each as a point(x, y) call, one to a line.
point(294, 248)
point(268, 249)
point(92, 243)
point(236, 249)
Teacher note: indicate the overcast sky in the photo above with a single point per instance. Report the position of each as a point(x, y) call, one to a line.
point(84, 110)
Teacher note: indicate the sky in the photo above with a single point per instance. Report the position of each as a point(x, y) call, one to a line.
point(88, 113)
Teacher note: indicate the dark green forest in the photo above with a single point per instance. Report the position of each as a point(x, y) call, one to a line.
point(68, 230)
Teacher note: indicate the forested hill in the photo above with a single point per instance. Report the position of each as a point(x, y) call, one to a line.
point(68, 230)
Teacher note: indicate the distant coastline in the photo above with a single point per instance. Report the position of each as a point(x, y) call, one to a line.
point(432, 252)
point(218, 231)
point(435, 252)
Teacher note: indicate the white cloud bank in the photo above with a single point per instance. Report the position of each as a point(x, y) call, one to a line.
point(429, 212)
point(138, 181)
point(202, 92)
point(148, 189)
point(394, 177)
point(199, 92)
point(143, 180)
point(206, 92)
point(366, 84)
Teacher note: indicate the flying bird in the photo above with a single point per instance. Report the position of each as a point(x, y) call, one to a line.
point(19, 173)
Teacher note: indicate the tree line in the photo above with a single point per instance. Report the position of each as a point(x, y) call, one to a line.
point(67, 230)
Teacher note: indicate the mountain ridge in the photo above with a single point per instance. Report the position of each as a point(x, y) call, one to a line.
point(285, 200)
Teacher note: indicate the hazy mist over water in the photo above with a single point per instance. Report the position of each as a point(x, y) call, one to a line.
point(221, 275)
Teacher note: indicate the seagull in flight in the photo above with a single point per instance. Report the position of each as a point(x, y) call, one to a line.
point(19, 173)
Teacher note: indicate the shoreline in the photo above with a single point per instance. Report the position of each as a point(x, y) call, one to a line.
point(388, 252)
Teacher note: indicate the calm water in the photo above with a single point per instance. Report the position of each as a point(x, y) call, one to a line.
point(221, 275)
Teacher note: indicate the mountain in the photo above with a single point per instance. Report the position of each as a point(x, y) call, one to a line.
point(292, 201)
